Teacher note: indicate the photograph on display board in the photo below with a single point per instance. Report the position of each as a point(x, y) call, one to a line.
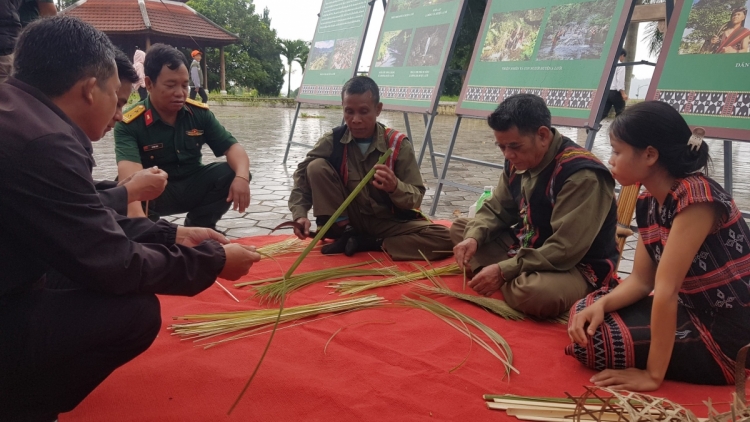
point(321, 54)
point(512, 36)
point(392, 49)
point(343, 53)
point(717, 27)
point(577, 31)
point(428, 44)
point(713, 93)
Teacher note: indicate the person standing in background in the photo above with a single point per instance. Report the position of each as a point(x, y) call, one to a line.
point(196, 76)
point(14, 14)
point(138, 59)
point(30, 10)
point(616, 96)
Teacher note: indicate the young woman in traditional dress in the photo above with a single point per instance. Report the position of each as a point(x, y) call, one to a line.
point(733, 37)
point(693, 253)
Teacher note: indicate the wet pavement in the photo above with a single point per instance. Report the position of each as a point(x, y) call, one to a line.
point(264, 133)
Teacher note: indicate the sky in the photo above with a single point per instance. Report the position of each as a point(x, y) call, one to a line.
point(297, 19)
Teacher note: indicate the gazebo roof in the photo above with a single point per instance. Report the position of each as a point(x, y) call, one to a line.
point(163, 20)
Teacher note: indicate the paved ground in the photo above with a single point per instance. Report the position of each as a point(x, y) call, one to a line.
point(264, 133)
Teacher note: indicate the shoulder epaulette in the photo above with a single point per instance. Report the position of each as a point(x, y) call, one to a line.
point(134, 112)
point(197, 103)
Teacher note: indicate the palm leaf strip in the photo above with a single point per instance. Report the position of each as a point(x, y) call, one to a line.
point(362, 183)
point(353, 287)
point(203, 326)
point(274, 291)
point(501, 350)
point(286, 246)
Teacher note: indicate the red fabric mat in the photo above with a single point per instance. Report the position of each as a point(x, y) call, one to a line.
point(395, 368)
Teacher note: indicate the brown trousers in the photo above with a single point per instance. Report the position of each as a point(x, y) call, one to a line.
point(540, 294)
point(402, 239)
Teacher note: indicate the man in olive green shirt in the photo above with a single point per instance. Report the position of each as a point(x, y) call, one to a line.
point(547, 236)
point(382, 214)
point(167, 130)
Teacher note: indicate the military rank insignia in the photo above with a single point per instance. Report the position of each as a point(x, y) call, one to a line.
point(148, 117)
point(134, 112)
point(197, 103)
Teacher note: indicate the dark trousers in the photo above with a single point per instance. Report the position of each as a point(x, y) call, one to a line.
point(201, 193)
point(614, 99)
point(56, 346)
point(143, 93)
point(200, 91)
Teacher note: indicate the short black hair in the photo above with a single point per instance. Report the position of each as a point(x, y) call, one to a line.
point(125, 70)
point(623, 52)
point(526, 112)
point(659, 125)
point(160, 55)
point(360, 85)
point(53, 54)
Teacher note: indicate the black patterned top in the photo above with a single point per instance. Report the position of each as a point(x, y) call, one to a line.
point(719, 277)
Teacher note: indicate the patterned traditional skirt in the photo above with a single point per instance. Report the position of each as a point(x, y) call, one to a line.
point(706, 342)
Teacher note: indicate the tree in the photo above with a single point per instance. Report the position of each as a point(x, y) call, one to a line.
point(302, 60)
point(467, 36)
point(653, 33)
point(254, 62)
point(291, 49)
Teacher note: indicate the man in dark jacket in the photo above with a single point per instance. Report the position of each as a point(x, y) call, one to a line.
point(58, 345)
point(546, 237)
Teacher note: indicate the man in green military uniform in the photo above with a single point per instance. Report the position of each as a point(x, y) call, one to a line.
point(382, 214)
point(167, 130)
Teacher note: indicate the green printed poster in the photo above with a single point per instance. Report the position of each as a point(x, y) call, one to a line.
point(561, 50)
point(704, 68)
point(335, 50)
point(412, 51)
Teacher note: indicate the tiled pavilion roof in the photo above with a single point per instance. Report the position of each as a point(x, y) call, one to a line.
point(162, 20)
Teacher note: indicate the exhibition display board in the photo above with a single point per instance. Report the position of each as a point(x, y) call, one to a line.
point(412, 52)
point(335, 50)
point(704, 68)
point(561, 50)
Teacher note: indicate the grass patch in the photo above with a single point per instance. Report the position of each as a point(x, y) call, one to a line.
point(311, 116)
point(449, 98)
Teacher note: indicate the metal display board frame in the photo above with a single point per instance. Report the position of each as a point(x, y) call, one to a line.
point(674, 34)
point(438, 87)
point(590, 123)
point(358, 54)
point(729, 135)
point(429, 113)
point(300, 101)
